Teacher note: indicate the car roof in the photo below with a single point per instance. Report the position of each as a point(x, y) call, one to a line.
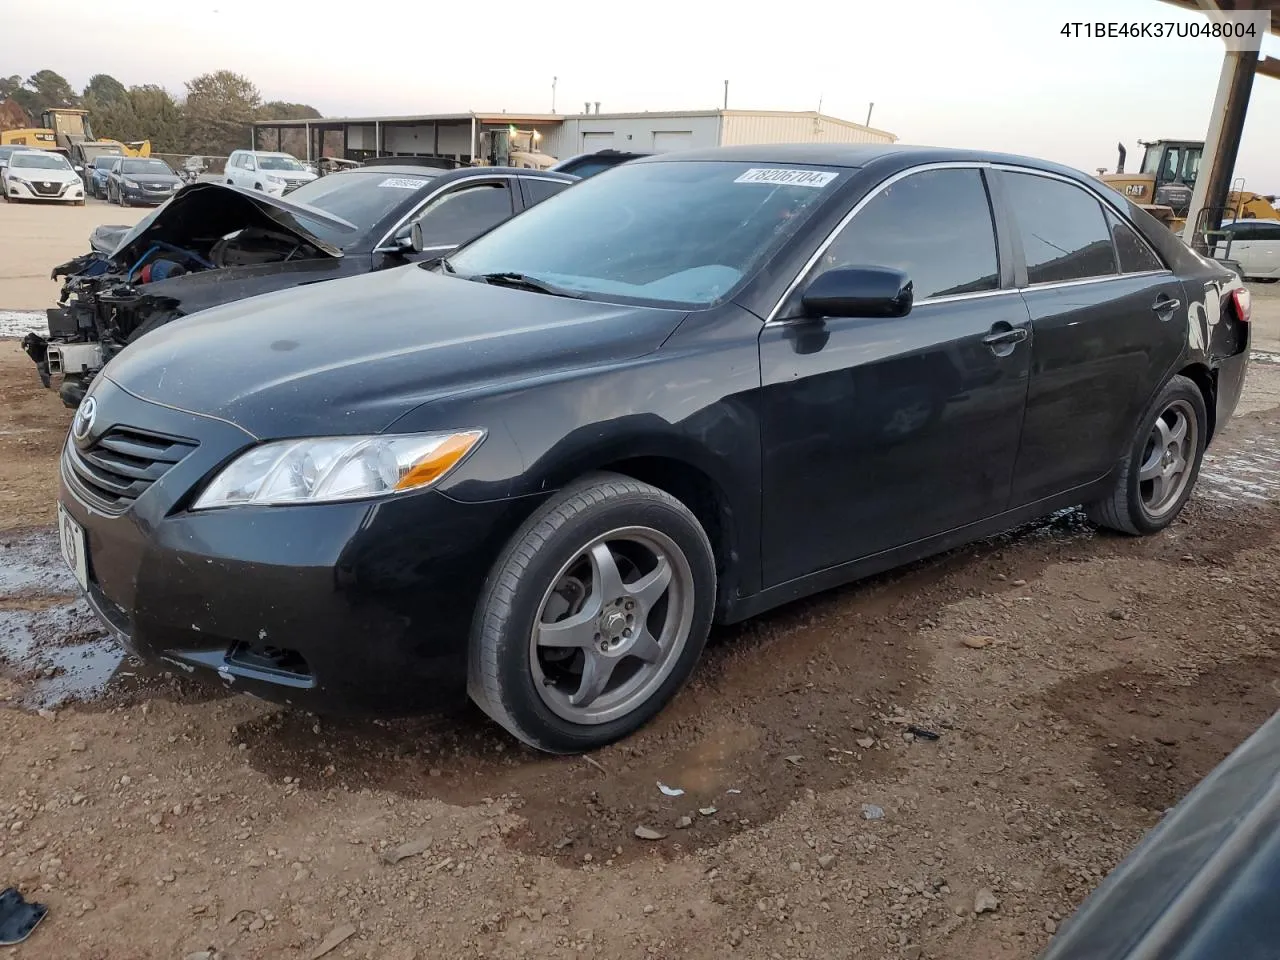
point(854, 155)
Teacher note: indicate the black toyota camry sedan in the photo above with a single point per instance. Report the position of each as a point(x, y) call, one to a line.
point(706, 384)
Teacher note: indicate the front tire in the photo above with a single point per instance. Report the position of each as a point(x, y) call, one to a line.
point(593, 616)
point(1156, 476)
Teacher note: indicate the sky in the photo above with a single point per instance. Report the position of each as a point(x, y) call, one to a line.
point(994, 75)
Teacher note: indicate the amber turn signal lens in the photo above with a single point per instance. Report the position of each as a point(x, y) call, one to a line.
point(439, 461)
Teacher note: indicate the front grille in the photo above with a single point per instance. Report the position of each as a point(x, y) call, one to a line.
point(291, 185)
point(121, 464)
point(46, 188)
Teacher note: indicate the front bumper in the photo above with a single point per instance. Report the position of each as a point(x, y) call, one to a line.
point(57, 192)
point(360, 607)
point(143, 195)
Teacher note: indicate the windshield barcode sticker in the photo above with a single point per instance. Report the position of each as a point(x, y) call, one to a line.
point(792, 178)
point(404, 183)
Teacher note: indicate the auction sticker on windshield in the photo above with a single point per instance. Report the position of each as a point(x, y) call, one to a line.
point(794, 178)
point(404, 183)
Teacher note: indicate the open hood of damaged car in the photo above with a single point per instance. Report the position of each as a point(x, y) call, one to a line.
point(201, 213)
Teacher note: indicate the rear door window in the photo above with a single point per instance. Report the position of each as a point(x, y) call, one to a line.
point(1064, 233)
point(455, 217)
point(935, 225)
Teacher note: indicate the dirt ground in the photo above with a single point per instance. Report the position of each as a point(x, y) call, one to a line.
point(39, 235)
point(1079, 684)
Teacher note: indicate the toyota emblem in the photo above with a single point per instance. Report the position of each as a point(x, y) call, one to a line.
point(83, 422)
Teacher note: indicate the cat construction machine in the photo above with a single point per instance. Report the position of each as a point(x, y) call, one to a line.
point(1164, 184)
point(67, 130)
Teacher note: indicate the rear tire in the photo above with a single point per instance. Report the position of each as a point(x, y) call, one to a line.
point(1159, 470)
point(612, 581)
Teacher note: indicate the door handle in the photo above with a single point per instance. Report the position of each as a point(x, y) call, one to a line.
point(1016, 335)
point(1164, 306)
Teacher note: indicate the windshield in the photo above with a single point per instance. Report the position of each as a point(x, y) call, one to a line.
point(670, 233)
point(279, 163)
point(362, 197)
point(40, 161)
point(155, 168)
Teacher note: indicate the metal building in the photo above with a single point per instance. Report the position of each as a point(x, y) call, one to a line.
point(457, 135)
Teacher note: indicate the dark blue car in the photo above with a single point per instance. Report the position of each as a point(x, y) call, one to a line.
point(95, 175)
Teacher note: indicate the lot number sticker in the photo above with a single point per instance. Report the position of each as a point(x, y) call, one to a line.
point(404, 183)
point(793, 178)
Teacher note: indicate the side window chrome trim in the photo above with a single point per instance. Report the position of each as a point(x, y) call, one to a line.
point(1054, 284)
point(857, 207)
point(1097, 195)
point(461, 181)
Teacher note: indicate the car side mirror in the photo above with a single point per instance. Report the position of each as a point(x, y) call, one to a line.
point(415, 236)
point(859, 292)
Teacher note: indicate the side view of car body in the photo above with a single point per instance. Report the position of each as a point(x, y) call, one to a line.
point(95, 179)
point(1254, 246)
point(42, 175)
point(212, 244)
point(277, 174)
point(686, 392)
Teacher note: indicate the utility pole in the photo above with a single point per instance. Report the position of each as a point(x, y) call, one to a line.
point(726, 94)
point(869, 109)
point(553, 94)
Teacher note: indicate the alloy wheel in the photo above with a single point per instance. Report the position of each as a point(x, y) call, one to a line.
point(1167, 458)
point(612, 625)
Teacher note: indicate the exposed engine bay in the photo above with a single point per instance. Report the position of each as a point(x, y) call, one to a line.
point(135, 279)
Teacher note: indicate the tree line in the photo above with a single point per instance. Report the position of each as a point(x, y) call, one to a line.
point(212, 117)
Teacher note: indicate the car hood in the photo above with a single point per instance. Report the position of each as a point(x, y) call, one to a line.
point(290, 175)
point(50, 176)
point(354, 355)
point(206, 210)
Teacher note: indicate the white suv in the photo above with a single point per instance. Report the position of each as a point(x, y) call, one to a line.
point(273, 173)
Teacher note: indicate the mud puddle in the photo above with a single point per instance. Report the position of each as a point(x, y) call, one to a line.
point(50, 641)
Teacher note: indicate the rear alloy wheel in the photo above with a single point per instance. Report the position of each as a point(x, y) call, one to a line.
point(593, 617)
point(1158, 473)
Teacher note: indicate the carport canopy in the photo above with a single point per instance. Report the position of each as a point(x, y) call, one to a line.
point(1226, 120)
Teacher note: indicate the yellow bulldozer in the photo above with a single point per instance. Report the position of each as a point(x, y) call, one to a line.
point(67, 130)
point(1164, 184)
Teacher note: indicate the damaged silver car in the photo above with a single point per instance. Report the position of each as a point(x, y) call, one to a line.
point(212, 243)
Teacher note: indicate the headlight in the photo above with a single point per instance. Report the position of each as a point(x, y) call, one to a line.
point(12, 179)
point(271, 179)
point(325, 469)
point(131, 184)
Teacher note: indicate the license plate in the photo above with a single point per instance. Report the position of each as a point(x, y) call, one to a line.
point(74, 547)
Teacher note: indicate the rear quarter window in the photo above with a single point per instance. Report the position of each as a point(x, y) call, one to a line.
point(1134, 254)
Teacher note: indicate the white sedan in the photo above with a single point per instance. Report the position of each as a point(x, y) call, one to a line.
point(1255, 245)
point(42, 175)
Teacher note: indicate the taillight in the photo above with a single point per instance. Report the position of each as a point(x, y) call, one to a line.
point(1243, 300)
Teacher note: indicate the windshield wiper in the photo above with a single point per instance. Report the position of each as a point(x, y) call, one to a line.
point(525, 282)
